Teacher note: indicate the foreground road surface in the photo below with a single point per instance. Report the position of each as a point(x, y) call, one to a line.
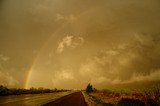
point(74, 99)
point(30, 99)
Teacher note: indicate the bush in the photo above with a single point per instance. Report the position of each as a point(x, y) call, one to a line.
point(89, 88)
point(18, 91)
point(130, 102)
point(3, 90)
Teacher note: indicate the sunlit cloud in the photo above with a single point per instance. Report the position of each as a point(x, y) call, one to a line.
point(66, 42)
point(70, 18)
point(4, 58)
point(112, 52)
point(69, 42)
point(153, 76)
point(7, 80)
point(144, 39)
point(64, 76)
point(125, 63)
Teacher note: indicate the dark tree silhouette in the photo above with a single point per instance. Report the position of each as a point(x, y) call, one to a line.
point(18, 91)
point(89, 88)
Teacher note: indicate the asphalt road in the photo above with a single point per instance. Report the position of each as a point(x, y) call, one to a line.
point(74, 99)
point(30, 99)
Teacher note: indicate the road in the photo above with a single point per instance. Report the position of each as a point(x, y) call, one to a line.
point(74, 99)
point(30, 99)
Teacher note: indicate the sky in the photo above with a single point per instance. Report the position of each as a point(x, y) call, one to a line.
point(70, 43)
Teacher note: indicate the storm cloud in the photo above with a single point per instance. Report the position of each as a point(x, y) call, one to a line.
point(75, 42)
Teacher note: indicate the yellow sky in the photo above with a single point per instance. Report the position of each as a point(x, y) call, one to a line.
point(70, 43)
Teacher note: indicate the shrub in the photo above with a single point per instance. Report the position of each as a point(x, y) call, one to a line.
point(3, 90)
point(89, 88)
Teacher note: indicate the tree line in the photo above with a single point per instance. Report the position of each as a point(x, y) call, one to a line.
point(4, 91)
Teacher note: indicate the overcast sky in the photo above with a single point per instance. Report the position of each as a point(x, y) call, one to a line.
point(70, 43)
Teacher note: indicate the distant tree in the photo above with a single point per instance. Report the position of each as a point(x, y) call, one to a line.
point(4, 90)
point(89, 88)
point(18, 91)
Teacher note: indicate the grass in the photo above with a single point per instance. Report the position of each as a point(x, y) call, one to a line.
point(121, 96)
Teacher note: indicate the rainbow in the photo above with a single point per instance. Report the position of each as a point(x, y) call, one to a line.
point(27, 79)
point(29, 72)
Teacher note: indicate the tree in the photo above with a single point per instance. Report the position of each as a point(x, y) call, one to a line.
point(89, 88)
point(3, 90)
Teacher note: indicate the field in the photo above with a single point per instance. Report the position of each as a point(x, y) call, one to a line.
point(124, 97)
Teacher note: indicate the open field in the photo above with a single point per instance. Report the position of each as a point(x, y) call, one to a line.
point(147, 97)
